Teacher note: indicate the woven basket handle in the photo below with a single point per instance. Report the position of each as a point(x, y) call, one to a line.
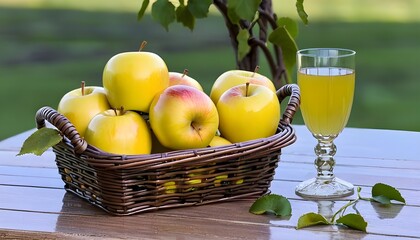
point(293, 91)
point(63, 125)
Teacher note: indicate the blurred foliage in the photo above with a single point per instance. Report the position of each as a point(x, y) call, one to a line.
point(48, 47)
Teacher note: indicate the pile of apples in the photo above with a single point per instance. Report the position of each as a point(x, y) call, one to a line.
point(143, 108)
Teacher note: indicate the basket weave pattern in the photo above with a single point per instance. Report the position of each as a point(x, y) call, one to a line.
point(129, 184)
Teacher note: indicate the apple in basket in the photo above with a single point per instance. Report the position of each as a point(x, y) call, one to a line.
point(132, 79)
point(235, 77)
point(82, 104)
point(247, 112)
point(176, 78)
point(183, 117)
point(219, 141)
point(119, 132)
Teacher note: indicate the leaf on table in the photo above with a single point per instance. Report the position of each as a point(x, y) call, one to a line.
point(311, 219)
point(39, 141)
point(384, 193)
point(354, 221)
point(272, 203)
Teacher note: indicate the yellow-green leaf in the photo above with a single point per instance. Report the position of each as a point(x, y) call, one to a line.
point(354, 221)
point(39, 141)
point(243, 46)
point(272, 203)
point(311, 219)
point(384, 193)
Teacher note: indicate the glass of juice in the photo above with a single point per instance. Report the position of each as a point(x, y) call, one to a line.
point(326, 77)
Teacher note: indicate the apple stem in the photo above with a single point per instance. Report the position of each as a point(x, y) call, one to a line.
point(257, 68)
point(246, 89)
point(184, 73)
point(83, 88)
point(197, 129)
point(115, 111)
point(142, 45)
point(122, 111)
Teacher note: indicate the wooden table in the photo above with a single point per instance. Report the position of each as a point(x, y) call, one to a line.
point(33, 203)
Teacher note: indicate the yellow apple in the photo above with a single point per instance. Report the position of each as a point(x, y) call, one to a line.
point(120, 132)
point(176, 78)
point(183, 117)
point(194, 181)
point(247, 112)
point(218, 141)
point(219, 180)
point(157, 147)
point(235, 77)
point(82, 104)
point(170, 187)
point(132, 79)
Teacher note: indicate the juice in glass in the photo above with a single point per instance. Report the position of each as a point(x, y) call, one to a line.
point(326, 98)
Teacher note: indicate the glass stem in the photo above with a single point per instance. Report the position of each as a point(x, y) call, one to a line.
point(325, 151)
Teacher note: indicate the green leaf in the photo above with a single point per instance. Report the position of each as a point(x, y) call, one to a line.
point(244, 9)
point(282, 38)
point(383, 194)
point(199, 8)
point(39, 141)
point(354, 221)
point(290, 25)
point(243, 46)
point(142, 10)
point(163, 12)
point(272, 203)
point(233, 16)
point(311, 219)
point(301, 11)
point(184, 16)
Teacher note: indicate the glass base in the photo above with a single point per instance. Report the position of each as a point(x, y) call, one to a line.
point(319, 188)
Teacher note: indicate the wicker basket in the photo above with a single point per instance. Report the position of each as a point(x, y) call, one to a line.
point(129, 184)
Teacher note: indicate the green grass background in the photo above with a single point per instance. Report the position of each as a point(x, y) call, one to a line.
point(48, 47)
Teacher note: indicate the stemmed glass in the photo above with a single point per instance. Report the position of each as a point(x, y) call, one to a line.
point(326, 77)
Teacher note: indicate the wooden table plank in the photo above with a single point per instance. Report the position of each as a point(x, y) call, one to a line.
point(33, 203)
point(382, 220)
point(364, 143)
point(192, 223)
point(163, 227)
point(354, 161)
point(41, 182)
point(29, 171)
point(14, 143)
point(407, 179)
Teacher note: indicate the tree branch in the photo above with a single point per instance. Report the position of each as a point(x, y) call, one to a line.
point(265, 20)
point(261, 44)
point(280, 71)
